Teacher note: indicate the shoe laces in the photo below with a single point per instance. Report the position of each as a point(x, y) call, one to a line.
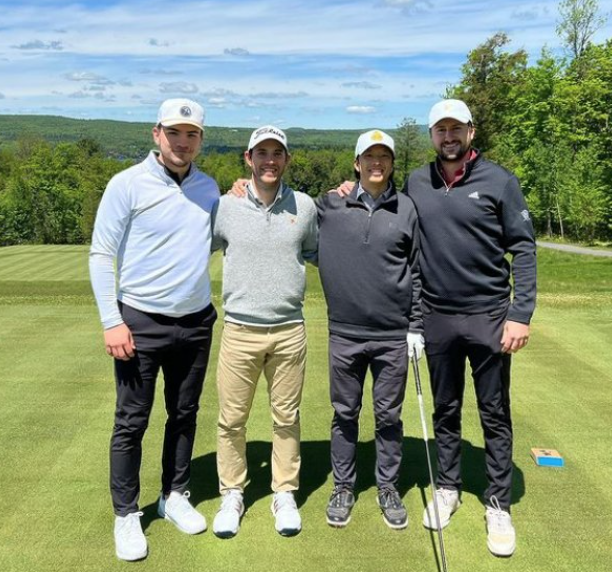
point(180, 503)
point(231, 501)
point(130, 525)
point(445, 495)
point(390, 498)
point(497, 518)
point(284, 501)
point(339, 496)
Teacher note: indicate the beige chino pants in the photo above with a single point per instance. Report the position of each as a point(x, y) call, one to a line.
point(246, 351)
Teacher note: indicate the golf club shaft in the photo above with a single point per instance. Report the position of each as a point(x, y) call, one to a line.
point(417, 379)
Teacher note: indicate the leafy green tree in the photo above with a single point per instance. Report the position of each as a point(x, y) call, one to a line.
point(491, 76)
point(580, 19)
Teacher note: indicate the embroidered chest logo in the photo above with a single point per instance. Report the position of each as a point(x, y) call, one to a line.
point(474, 195)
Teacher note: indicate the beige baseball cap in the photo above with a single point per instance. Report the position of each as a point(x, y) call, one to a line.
point(450, 109)
point(180, 111)
point(371, 138)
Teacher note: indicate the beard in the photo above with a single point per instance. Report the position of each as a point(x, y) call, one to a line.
point(459, 149)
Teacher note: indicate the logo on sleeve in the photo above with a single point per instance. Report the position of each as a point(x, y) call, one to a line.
point(525, 215)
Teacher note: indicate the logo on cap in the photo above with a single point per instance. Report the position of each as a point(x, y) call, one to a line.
point(270, 130)
point(185, 111)
point(377, 136)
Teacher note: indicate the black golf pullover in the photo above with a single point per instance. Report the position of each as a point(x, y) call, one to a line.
point(466, 231)
point(368, 262)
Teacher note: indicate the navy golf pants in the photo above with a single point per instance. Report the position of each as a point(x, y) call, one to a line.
point(349, 360)
point(180, 347)
point(451, 340)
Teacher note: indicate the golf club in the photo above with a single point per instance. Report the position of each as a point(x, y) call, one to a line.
point(417, 379)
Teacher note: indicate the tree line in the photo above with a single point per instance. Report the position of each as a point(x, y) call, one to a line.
point(548, 122)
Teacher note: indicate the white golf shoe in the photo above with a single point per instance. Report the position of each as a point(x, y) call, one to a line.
point(227, 520)
point(501, 536)
point(178, 510)
point(130, 541)
point(284, 509)
point(448, 503)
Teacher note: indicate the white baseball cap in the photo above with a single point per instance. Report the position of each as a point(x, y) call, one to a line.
point(180, 111)
point(371, 138)
point(449, 109)
point(268, 132)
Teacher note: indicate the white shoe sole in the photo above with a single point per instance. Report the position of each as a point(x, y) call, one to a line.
point(132, 557)
point(503, 553)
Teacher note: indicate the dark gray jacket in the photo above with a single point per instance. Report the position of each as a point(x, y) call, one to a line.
point(369, 267)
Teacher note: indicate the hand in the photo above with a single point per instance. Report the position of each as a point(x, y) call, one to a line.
point(515, 337)
point(344, 189)
point(239, 188)
point(119, 342)
point(416, 345)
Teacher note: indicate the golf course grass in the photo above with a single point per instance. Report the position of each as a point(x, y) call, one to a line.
point(56, 412)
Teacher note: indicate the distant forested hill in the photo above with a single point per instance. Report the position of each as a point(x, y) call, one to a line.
point(133, 140)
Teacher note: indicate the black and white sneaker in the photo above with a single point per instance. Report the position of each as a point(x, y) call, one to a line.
point(393, 509)
point(341, 502)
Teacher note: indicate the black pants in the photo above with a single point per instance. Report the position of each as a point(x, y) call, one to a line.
point(180, 347)
point(451, 339)
point(349, 360)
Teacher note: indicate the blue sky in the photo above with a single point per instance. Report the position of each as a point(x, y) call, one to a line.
point(316, 64)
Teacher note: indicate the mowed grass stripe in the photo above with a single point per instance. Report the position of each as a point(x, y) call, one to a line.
point(57, 262)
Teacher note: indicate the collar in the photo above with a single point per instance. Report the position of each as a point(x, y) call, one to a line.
point(280, 193)
point(460, 173)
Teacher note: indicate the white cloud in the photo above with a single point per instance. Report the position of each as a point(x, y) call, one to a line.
point(40, 45)
point(84, 76)
point(158, 43)
point(183, 87)
point(361, 85)
point(361, 109)
point(236, 52)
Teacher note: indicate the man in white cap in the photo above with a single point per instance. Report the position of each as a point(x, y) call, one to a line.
point(368, 262)
point(266, 238)
point(471, 215)
point(153, 234)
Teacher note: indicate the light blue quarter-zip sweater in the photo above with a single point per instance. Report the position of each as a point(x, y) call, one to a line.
point(264, 278)
point(159, 233)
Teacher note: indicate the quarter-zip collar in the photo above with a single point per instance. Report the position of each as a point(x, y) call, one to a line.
point(461, 175)
point(387, 200)
point(282, 191)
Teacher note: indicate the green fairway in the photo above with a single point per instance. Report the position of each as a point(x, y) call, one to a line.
point(56, 413)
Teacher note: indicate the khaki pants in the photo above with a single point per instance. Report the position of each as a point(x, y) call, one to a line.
point(246, 351)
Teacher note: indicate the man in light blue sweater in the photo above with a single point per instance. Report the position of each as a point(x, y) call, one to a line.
point(266, 238)
point(154, 223)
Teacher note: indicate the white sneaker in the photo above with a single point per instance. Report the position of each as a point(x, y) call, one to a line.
point(130, 541)
point(448, 503)
point(178, 510)
point(227, 520)
point(288, 520)
point(501, 536)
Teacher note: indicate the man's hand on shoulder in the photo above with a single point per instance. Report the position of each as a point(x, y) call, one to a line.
point(119, 342)
point(515, 337)
point(239, 188)
point(344, 189)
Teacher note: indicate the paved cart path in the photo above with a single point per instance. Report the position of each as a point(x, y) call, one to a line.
point(575, 249)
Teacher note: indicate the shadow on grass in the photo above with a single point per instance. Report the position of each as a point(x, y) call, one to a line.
point(316, 469)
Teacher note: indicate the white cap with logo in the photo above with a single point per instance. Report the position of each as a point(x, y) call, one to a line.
point(371, 138)
point(268, 132)
point(450, 109)
point(180, 111)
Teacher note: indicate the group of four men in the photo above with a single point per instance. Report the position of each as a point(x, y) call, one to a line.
point(393, 265)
